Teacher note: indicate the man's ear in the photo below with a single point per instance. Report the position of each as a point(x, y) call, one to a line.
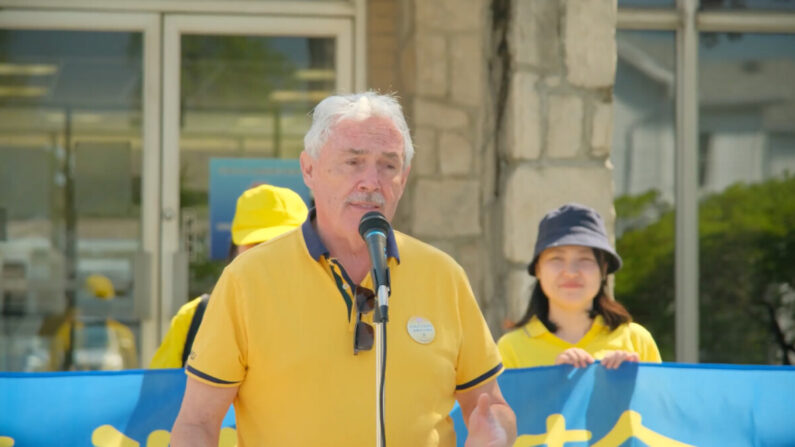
point(405, 175)
point(307, 165)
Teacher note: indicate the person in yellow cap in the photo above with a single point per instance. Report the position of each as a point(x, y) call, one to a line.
point(71, 336)
point(262, 213)
point(100, 286)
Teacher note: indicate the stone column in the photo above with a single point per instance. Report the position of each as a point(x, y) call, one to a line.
point(556, 140)
point(510, 105)
point(443, 72)
point(382, 44)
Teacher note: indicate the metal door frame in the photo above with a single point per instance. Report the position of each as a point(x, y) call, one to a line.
point(349, 77)
point(149, 24)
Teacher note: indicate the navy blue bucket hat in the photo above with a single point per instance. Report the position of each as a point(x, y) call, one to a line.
point(574, 224)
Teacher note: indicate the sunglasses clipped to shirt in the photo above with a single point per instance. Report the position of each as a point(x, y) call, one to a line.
point(364, 334)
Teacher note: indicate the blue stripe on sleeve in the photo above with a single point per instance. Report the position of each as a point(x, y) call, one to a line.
point(208, 377)
point(483, 377)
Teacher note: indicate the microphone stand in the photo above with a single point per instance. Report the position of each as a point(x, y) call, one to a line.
point(374, 229)
point(380, 318)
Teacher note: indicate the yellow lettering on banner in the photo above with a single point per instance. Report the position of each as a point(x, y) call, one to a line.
point(108, 436)
point(228, 437)
point(6, 441)
point(158, 438)
point(629, 426)
point(556, 435)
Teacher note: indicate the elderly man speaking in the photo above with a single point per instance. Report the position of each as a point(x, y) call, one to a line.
point(282, 336)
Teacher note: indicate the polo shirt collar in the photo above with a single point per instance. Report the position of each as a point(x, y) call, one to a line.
point(536, 328)
point(316, 248)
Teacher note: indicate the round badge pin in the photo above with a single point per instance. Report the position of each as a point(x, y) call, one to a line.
point(421, 330)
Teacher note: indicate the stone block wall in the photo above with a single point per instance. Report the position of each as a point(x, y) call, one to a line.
point(382, 44)
point(557, 133)
point(510, 105)
point(443, 90)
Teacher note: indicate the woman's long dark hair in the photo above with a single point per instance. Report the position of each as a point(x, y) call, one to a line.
point(611, 310)
point(232, 253)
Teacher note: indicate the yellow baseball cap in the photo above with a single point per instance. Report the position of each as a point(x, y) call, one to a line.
point(266, 211)
point(100, 286)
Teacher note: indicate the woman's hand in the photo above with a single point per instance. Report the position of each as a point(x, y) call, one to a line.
point(575, 357)
point(616, 358)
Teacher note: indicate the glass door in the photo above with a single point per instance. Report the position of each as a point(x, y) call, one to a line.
point(234, 87)
point(79, 174)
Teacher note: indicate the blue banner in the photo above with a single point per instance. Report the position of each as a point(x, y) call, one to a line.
point(120, 409)
point(650, 405)
point(638, 404)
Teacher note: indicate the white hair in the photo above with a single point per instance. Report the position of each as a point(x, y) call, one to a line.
point(358, 106)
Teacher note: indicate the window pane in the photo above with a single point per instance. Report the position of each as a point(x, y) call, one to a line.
point(646, 3)
point(748, 4)
point(70, 201)
point(643, 160)
point(746, 190)
point(241, 97)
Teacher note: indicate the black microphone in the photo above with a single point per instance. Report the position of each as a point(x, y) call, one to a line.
point(374, 229)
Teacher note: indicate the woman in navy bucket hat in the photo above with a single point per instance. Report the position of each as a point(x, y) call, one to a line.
point(572, 317)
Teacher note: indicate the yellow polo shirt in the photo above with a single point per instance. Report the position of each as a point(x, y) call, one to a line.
point(169, 353)
point(280, 326)
point(533, 345)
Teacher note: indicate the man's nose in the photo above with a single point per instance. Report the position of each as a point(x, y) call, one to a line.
point(368, 180)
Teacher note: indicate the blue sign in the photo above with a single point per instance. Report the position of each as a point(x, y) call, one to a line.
point(229, 177)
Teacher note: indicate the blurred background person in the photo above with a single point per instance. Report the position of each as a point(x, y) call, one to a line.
point(572, 317)
point(91, 342)
point(262, 213)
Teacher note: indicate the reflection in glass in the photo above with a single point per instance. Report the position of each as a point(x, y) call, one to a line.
point(646, 3)
point(70, 175)
point(746, 189)
point(643, 160)
point(241, 96)
point(741, 5)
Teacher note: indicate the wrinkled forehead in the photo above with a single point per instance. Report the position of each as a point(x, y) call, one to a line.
point(374, 132)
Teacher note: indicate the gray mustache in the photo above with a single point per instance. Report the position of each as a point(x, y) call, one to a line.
point(369, 197)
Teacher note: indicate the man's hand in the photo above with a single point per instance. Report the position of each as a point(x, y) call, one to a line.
point(489, 419)
point(484, 428)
